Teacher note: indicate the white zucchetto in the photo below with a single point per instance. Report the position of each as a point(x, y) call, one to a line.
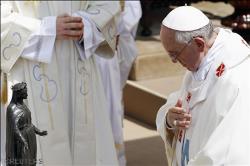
point(185, 18)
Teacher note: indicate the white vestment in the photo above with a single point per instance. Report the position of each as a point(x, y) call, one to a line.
point(219, 133)
point(115, 71)
point(65, 94)
point(127, 28)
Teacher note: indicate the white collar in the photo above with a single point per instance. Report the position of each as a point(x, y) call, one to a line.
point(201, 73)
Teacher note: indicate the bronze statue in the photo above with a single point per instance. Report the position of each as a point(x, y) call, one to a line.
point(21, 147)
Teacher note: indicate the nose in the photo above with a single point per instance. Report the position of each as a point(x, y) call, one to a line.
point(183, 64)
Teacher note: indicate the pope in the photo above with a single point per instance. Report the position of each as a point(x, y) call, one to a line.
point(206, 122)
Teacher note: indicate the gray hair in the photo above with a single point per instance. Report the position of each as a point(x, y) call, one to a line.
point(186, 36)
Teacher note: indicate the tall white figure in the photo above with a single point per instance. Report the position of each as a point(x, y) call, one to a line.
point(127, 28)
point(50, 46)
point(115, 71)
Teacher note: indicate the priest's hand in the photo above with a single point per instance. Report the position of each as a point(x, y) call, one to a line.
point(69, 27)
point(177, 117)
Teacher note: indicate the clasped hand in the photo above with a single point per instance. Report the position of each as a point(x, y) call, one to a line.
point(69, 27)
point(178, 118)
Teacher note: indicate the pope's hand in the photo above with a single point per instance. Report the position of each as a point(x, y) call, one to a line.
point(177, 117)
point(69, 27)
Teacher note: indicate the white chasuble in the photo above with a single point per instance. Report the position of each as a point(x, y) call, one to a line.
point(127, 28)
point(66, 96)
point(219, 105)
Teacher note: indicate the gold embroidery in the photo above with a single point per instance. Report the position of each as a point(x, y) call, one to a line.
point(34, 6)
point(35, 3)
point(118, 146)
point(122, 4)
point(85, 106)
point(4, 94)
point(47, 96)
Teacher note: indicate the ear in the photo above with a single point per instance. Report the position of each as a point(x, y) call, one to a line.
point(200, 42)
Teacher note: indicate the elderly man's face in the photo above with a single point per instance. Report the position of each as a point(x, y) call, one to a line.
point(188, 54)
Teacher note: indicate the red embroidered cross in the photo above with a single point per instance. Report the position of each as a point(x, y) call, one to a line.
point(188, 98)
point(220, 70)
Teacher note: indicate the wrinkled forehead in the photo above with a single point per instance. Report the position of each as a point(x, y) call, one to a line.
point(167, 35)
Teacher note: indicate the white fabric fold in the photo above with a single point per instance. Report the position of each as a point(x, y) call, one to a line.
point(91, 37)
point(40, 45)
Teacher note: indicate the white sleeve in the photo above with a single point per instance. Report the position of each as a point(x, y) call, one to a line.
point(161, 116)
point(132, 14)
point(161, 121)
point(40, 45)
point(91, 39)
